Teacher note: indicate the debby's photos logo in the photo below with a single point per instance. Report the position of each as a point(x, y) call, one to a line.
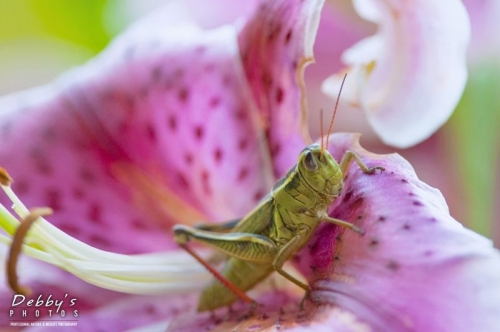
point(43, 311)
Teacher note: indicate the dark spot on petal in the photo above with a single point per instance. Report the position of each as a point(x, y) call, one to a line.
point(150, 309)
point(199, 132)
point(143, 92)
point(78, 193)
point(172, 122)
point(275, 149)
point(181, 179)
point(406, 227)
point(21, 187)
point(130, 105)
point(279, 95)
point(358, 202)
point(218, 155)
point(242, 174)
point(209, 67)
point(94, 213)
point(346, 176)
point(374, 242)
point(138, 224)
point(241, 114)
point(99, 241)
point(226, 80)
point(123, 127)
point(264, 316)
point(183, 94)
point(314, 247)
point(428, 253)
point(267, 80)
point(156, 74)
point(40, 161)
point(242, 145)
point(336, 257)
point(347, 196)
point(86, 175)
point(69, 228)
point(381, 219)
point(258, 195)
point(169, 83)
point(360, 217)
point(404, 180)
point(274, 30)
point(53, 199)
point(411, 194)
point(151, 133)
point(188, 157)
point(338, 237)
point(214, 102)
point(432, 219)
point(417, 203)
point(392, 265)
point(49, 134)
point(178, 73)
point(288, 36)
point(205, 183)
point(294, 65)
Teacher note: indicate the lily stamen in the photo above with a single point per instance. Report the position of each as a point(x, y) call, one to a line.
point(16, 247)
point(149, 273)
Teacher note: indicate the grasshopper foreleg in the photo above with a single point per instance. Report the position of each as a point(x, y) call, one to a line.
point(349, 156)
point(342, 223)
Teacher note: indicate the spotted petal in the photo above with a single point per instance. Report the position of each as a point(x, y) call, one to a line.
point(408, 77)
point(160, 128)
point(414, 269)
point(276, 46)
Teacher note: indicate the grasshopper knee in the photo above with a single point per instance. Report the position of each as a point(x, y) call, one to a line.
point(181, 234)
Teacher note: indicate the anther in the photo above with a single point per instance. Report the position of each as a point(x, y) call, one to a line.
point(5, 179)
point(16, 247)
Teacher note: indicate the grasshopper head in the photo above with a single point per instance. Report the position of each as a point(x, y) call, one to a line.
point(320, 170)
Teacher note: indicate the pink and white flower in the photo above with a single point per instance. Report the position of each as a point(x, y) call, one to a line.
point(176, 124)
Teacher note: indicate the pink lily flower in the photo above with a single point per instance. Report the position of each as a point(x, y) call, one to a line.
point(175, 124)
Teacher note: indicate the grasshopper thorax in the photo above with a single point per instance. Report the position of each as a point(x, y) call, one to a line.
point(320, 171)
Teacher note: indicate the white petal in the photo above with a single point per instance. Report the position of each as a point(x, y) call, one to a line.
point(411, 74)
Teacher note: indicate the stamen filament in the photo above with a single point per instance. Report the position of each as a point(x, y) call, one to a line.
point(152, 273)
point(15, 248)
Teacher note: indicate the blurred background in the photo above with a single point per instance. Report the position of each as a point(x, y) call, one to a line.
point(39, 39)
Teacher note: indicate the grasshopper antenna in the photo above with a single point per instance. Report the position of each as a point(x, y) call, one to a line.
point(321, 130)
point(334, 113)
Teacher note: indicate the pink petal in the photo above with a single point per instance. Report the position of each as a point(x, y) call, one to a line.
point(416, 268)
point(419, 59)
point(160, 128)
point(276, 44)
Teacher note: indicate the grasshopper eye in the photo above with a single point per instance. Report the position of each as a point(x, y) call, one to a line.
point(310, 162)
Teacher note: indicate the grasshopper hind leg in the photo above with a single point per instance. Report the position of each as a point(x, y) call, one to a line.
point(182, 237)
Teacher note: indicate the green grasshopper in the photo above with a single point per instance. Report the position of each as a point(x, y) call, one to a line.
point(276, 229)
